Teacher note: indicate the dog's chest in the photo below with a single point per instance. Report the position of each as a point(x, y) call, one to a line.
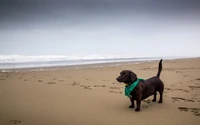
point(134, 95)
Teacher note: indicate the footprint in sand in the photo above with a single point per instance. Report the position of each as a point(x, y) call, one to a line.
point(195, 111)
point(2, 79)
point(99, 85)
point(198, 79)
point(51, 83)
point(148, 101)
point(194, 87)
point(145, 106)
point(86, 87)
point(169, 89)
point(15, 121)
point(118, 88)
point(61, 80)
point(89, 79)
point(183, 90)
point(181, 99)
point(114, 83)
point(40, 81)
point(178, 71)
point(115, 92)
point(68, 77)
point(75, 83)
point(190, 81)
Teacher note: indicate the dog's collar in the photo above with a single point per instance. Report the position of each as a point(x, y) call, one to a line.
point(128, 84)
point(131, 87)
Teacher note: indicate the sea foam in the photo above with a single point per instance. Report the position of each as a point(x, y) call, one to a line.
point(21, 61)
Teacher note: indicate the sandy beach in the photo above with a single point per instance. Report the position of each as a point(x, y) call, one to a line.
point(92, 96)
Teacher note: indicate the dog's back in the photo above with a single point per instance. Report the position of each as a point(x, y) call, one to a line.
point(153, 84)
point(155, 81)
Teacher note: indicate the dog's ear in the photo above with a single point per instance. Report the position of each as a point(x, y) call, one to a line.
point(133, 76)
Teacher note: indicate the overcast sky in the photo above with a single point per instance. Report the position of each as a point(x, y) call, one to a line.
point(73, 27)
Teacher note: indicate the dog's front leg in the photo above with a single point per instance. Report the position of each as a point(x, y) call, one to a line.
point(138, 102)
point(138, 105)
point(132, 103)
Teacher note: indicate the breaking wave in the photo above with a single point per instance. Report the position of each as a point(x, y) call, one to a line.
point(21, 61)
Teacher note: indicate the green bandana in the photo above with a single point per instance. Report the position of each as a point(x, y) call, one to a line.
point(129, 89)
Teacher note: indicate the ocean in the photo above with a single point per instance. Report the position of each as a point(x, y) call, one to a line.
point(20, 61)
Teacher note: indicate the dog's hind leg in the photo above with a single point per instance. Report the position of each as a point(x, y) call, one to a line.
point(161, 97)
point(154, 98)
point(161, 90)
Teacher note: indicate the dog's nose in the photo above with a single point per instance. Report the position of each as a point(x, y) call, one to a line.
point(117, 79)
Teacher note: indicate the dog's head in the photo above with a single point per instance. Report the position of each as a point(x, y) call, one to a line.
point(127, 77)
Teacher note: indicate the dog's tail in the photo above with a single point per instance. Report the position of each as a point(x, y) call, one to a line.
point(159, 68)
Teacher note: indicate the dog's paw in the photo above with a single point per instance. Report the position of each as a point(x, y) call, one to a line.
point(159, 101)
point(154, 100)
point(131, 106)
point(137, 109)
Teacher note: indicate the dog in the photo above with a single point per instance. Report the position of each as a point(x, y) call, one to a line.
point(144, 88)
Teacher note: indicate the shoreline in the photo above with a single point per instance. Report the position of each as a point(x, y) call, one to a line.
point(85, 66)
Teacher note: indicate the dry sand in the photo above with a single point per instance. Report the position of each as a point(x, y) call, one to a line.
point(92, 96)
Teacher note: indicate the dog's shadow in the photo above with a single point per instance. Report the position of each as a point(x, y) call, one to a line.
point(146, 104)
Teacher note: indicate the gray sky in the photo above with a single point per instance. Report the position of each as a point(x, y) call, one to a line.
point(73, 27)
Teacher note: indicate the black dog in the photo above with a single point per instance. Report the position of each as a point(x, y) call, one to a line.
point(144, 88)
